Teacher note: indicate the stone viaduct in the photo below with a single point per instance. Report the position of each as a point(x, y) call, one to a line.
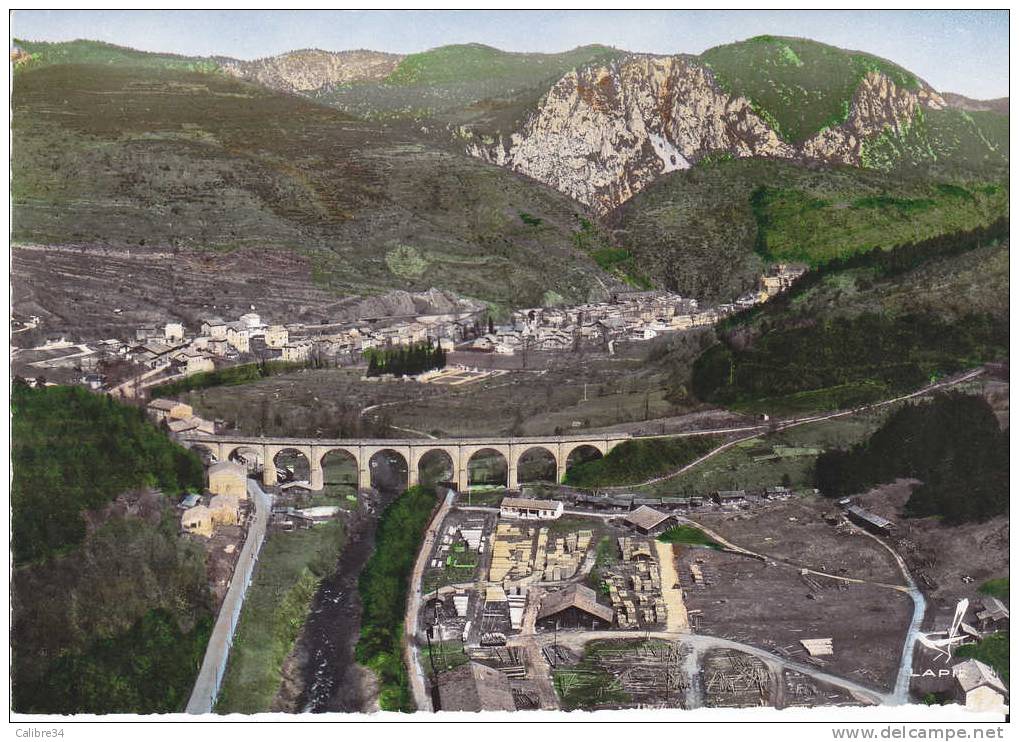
point(458, 451)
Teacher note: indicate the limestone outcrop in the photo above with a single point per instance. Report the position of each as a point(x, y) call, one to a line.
point(605, 132)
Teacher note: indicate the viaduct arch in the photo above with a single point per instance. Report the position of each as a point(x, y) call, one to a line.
point(459, 451)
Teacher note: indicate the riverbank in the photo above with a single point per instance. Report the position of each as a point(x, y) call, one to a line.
point(320, 674)
point(384, 586)
point(278, 602)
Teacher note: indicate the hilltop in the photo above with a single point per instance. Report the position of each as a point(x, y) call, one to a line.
point(706, 166)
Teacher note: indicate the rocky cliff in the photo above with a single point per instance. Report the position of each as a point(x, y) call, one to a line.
point(603, 133)
point(309, 70)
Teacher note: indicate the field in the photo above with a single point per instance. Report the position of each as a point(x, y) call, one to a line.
point(289, 569)
point(769, 606)
point(754, 463)
point(623, 392)
point(795, 531)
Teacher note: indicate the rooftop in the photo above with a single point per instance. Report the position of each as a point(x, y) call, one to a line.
point(475, 687)
point(228, 467)
point(524, 503)
point(646, 517)
point(576, 596)
point(972, 674)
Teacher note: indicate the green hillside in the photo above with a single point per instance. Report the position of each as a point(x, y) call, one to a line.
point(948, 140)
point(81, 51)
point(470, 84)
point(471, 62)
point(883, 323)
point(83, 450)
point(113, 616)
point(156, 159)
point(709, 231)
point(799, 86)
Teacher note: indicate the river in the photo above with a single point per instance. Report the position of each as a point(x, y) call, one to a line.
point(320, 674)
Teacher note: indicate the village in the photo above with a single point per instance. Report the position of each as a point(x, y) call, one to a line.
point(156, 354)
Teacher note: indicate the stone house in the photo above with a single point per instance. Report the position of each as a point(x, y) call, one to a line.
point(197, 520)
point(979, 687)
point(173, 332)
point(276, 336)
point(214, 328)
point(224, 510)
point(169, 409)
point(228, 478)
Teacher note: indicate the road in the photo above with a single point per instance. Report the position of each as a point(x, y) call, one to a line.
point(411, 653)
point(900, 694)
point(700, 643)
point(786, 425)
point(206, 689)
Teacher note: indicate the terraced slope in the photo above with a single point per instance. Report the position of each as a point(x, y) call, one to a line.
point(163, 160)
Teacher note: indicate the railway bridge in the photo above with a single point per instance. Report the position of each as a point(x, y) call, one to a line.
point(459, 452)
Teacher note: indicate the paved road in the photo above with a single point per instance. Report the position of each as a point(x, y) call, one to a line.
point(203, 696)
point(411, 653)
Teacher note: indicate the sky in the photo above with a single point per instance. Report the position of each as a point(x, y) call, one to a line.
point(960, 51)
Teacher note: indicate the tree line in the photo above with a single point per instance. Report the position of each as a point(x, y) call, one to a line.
point(74, 451)
point(885, 263)
point(408, 360)
point(383, 585)
point(866, 357)
point(952, 444)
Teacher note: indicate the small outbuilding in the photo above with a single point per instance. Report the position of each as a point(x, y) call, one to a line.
point(648, 521)
point(225, 510)
point(575, 607)
point(520, 507)
point(169, 409)
point(994, 616)
point(730, 497)
point(197, 520)
point(869, 521)
point(979, 687)
point(475, 687)
point(228, 478)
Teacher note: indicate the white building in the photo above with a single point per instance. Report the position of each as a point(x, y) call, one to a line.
point(527, 509)
point(173, 332)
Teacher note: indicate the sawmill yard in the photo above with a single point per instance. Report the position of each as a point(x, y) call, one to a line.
point(730, 629)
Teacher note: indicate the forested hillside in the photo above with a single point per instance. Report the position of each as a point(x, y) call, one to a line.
point(866, 327)
point(111, 607)
point(709, 231)
point(952, 444)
